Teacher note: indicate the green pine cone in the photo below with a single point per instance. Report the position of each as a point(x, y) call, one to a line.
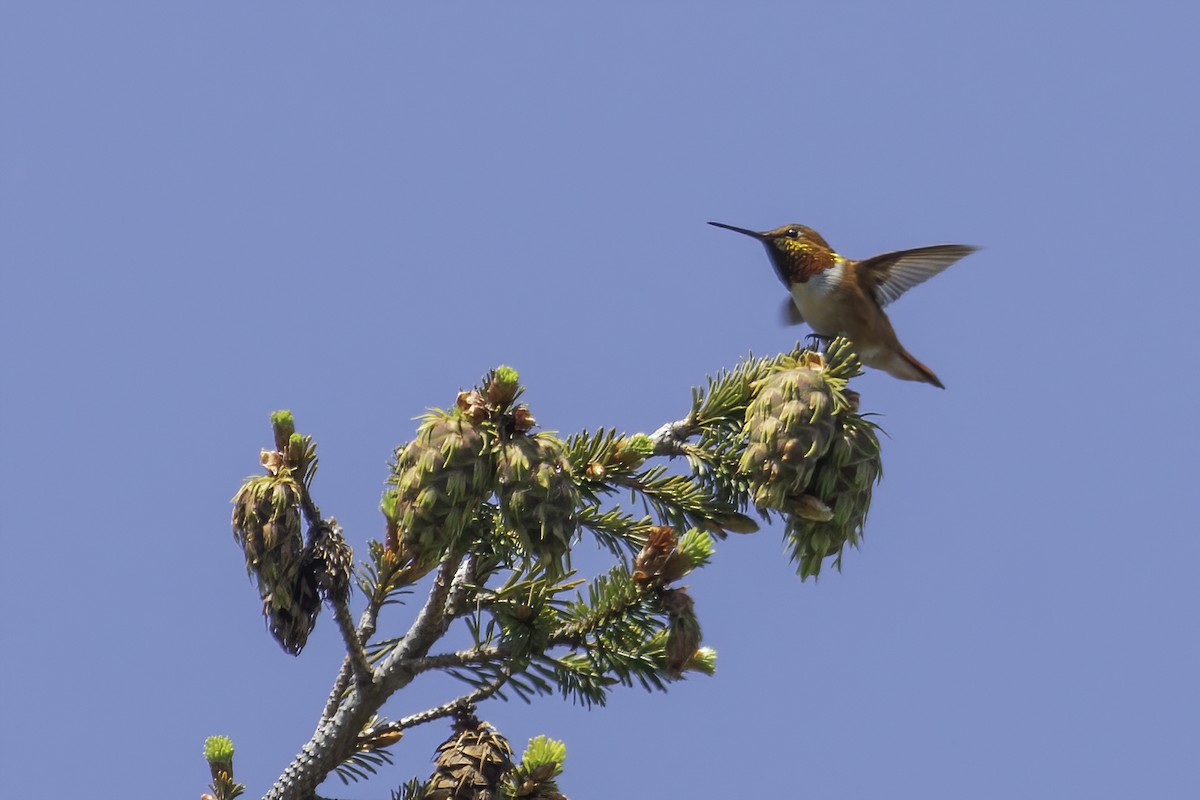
point(842, 481)
point(291, 617)
point(790, 424)
point(440, 479)
point(539, 499)
point(267, 524)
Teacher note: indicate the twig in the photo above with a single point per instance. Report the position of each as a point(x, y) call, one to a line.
point(461, 587)
point(308, 505)
point(356, 656)
point(366, 629)
point(476, 655)
point(368, 621)
point(340, 684)
point(446, 709)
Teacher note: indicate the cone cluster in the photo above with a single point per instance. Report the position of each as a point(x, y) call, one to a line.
point(464, 456)
point(809, 455)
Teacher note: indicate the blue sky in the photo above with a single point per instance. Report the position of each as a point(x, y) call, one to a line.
point(210, 211)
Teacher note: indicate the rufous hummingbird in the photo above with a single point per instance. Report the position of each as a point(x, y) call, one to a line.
point(838, 296)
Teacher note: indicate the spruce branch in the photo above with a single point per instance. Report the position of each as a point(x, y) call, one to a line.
point(338, 693)
point(453, 606)
point(457, 704)
point(335, 740)
point(426, 629)
point(462, 658)
point(311, 512)
point(461, 588)
point(616, 530)
point(613, 602)
point(491, 510)
point(381, 580)
point(366, 629)
point(361, 765)
point(356, 657)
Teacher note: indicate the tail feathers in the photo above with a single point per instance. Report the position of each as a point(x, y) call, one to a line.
point(904, 366)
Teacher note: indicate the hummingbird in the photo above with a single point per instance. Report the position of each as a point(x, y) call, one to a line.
point(838, 296)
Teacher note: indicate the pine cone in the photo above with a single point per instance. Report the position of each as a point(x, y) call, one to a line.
point(842, 482)
point(810, 455)
point(539, 500)
point(331, 560)
point(659, 562)
point(266, 523)
point(790, 424)
point(471, 763)
point(440, 479)
point(292, 621)
point(683, 630)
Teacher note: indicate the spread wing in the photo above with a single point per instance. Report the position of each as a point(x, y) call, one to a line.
point(890, 275)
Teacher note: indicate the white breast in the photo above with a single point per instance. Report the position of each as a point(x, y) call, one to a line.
point(812, 298)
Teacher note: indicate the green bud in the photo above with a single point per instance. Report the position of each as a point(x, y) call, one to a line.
point(504, 386)
point(704, 661)
point(632, 451)
point(218, 749)
point(544, 750)
point(297, 449)
point(696, 547)
point(283, 425)
point(639, 443)
point(506, 376)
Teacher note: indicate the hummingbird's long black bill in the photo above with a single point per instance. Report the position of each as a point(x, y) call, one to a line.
point(736, 229)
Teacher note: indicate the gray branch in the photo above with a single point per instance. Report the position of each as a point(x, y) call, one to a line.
point(366, 629)
point(446, 709)
point(671, 438)
point(463, 658)
point(336, 733)
point(356, 657)
point(427, 628)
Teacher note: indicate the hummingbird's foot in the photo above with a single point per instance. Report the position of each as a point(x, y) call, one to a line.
point(817, 342)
